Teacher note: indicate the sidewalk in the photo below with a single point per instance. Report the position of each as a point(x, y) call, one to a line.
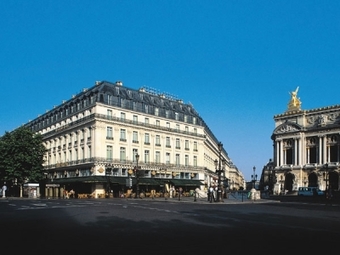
point(191, 199)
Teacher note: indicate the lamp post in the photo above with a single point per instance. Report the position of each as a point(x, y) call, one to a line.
point(326, 178)
point(108, 185)
point(219, 171)
point(137, 176)
point(254, 177)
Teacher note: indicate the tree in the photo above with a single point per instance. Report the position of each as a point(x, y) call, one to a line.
point(21, 157)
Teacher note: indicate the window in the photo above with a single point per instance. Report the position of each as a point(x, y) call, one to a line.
point(311, 150)
point(122, 154)
point(177, 159)
point(178, 146)
point(176, 116)
point(167, 114)
point(89, 153)
point(109, 99)
point(168, 124)
point(186, 129)
point(158, 140)
point(123, 135)
point(135, 119)
point(195, 146)
point(158, 157)
point(195, 131)
point(194, 120)
point(156, 111)
point(167, 158)
point(109, 152)
point(185, 118)
point(288, 153)
point(157, 123)
point(147, 139)
point(135, 137)
point(146, 108)
point(195, 161)
point(134, 153)
point(82, 132)
point(186, 160)
point(146, 156)
point(187, 144)
point(109, 134)
point(122, 116)
point(177, 127)
point(167, 143)
point(146, 121)
point(89, 134)
point(109, 114)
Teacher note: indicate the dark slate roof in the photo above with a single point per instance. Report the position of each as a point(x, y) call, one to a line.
point(157, 100)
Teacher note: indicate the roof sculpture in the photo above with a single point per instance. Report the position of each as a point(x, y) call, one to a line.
point(294, 103)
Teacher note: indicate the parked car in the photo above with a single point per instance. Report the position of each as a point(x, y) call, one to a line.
point(310, 191)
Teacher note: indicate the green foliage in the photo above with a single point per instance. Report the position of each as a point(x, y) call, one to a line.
point(21, 156)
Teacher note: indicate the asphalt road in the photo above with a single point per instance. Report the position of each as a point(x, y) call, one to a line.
point(136, 226)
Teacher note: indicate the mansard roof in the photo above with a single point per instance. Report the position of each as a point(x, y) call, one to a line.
point(144, 96)
point(102, 89)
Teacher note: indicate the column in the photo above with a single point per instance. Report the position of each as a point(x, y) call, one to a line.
point(278, 150)
point(301, 161)
point(281, 153)
point(324, 148)
point(295, 152)
point(320, 150)
point(328, 152)
point(308, 155)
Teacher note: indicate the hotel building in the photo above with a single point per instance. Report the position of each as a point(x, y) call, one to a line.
point(111, 140)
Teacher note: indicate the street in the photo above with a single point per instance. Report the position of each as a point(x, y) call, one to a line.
point(130, 226)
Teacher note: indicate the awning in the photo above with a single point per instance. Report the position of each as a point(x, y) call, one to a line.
point(90, 179)
point(122, 181)
point(76, 179)
point(105, 179)
point(147, 181)
point(185, 182)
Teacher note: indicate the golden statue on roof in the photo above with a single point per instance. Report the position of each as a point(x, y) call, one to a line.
point(294, 103)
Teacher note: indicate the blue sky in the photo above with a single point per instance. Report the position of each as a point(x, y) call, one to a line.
point(234, 61)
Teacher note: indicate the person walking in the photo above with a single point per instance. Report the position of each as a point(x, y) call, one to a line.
point(4, 188)
point(212, 195)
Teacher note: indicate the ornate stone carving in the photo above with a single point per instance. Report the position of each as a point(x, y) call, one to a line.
point(287, 128)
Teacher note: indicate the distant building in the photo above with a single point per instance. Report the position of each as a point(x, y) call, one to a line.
point(306, 148)
point(92, 141)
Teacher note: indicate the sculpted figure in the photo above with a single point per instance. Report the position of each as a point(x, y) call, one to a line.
point(294, 103)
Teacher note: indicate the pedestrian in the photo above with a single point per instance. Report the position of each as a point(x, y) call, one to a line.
point(212, 195)
point(66, 194)
point(208, 193)
point(4, 188)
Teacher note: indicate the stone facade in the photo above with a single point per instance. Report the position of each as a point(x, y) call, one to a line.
point(92, 141)
point(306, 148)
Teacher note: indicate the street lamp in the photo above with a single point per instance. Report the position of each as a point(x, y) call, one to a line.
point(137, 176)
point(254, 177)
point(108, 185)
point(219, 171)
point(326, 178)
